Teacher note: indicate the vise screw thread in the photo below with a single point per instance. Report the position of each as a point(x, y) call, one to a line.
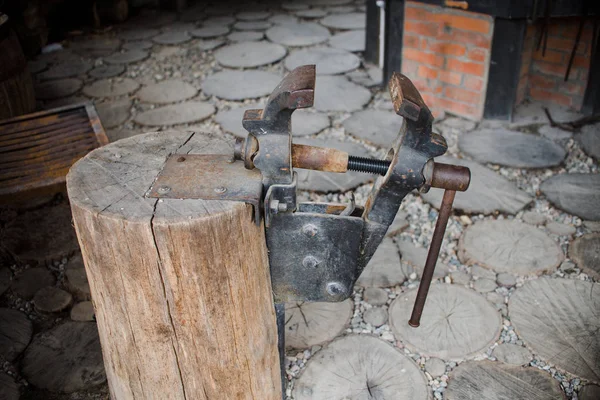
point(369, 165)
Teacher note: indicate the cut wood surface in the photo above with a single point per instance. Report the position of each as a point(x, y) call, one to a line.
point(361, 367)
point(487, 380)
point(559, 320)
point(181, 287)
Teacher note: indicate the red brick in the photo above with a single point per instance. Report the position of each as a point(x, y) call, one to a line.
point(461, 109)
point(463, 95)
point(542, 82)
point(466, 67)
point(473, 83)
point(477, 55)
point(551, 97)
point(431, 29)
point(426, 72)
point(472, 38)
point(421, 84)
point(453, 78)
point(465, 23)
point(581, 62)
point(550, 69)
point(423, 58)
point(409, 68)
point(416, 13)
point(559, 44)
point(573, 88)
point(411, 41)
point(551, 56)
point(448, 49)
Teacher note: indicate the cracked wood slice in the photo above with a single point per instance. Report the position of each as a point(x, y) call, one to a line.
point(15, 333)
point(309, 324)
point(181, 287)
point(488, 380)
point(558, 320)
point(361, 367)
point(457, 323)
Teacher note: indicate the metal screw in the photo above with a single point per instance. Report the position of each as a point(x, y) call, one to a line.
point(220, 189)
point(309, 230)
point(310, 262)
point(335, 289)
point(163, 189)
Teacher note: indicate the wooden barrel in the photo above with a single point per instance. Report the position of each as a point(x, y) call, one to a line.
point(16, 86)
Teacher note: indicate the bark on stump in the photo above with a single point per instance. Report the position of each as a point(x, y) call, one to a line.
point(181, 288)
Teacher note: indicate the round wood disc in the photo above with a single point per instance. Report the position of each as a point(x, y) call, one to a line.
point(559, 320)
point(9, 390)
point(210, 31)
point(585, 251)
point(250, 54)
point(300, 34)
point(127, 57)
point(575, 193)
point(488, 380)
point(181, 113)
point(107, 71)
point(336, 93)
point(169, 91)
point(56, 89)
point(328, 60)
point(308, 324)
point(345, 21)
point(114, 113)
point(385, 268)
point(240, 85)
point(15, 333)
point(360, 367)
point(457, 323)
point(111, 87)
point(509, 246)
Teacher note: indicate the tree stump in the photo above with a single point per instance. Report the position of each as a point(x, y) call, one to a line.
point(181, 288)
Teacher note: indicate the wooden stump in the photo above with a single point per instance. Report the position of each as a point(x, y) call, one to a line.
point(181, 288)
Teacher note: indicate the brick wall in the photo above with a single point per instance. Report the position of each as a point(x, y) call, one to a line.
point(446, 54)
point(546, 73)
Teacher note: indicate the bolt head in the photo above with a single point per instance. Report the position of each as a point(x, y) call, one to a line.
point(163, 189)
point(310, 262)
point(310, 230)
point(335, 289)
point(220, 189)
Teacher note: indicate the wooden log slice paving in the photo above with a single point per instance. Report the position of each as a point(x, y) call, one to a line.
point(250, 54)
point(245, 36)
point(376, 126)
point(589, 392)
point(52, 299)
point(181, 287)
point(300, 34)
point(353, 40)
point(15, 333)
point(589, 139)
point(336, 93)
point(361, 367)
point(558, 320)
point(5, 279)
point(252, 15)
point(127, 57)
point(252, 25)
point(42, 235)
point(169, 91)
point(181, 113)
point(487, 193)
point(56, 89)
point(413, 259)
point(137, 45)
point(328, 60)
point(27, 284)
point(172, 38)
point(512, 354)
point(65, 359)
point(345, 21)
point(457, 323)
point(385, 268)
point(577, 194)
point(111, 87)
point(107, 71)
point(283, 19)
point(311, 13)
point(9, 390)
point(309, 324)
point(139, 34)
point(210, 31)
point(509, 246)
point(114, 113)
point(585, 251)
point(488, 380)
point(218, 21)
point(66, 70)
point(240, 85)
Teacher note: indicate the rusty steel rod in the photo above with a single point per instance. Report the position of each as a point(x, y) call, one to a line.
point(432, 256)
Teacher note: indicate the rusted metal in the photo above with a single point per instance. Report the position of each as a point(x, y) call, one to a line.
point(208, 177)
point(457, 4)
point(432, 256)
point(450, 177)
point(319, 158)
point(37, 150)
point(406, 98)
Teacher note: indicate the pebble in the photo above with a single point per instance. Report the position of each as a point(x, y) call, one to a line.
point(52, 299)
point(83, 311)
point(506, 280)
point(376, 316)
point(484, 285)
point(512, 354)
point(534, 218)
point(561, 229)
point(77, 283)
point(495, 297)
point(435, 367)
point(460, 278)
point(481, 272)
point(567, 266)
point(375, 296)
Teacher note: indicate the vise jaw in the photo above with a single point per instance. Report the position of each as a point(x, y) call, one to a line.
point(317, 251)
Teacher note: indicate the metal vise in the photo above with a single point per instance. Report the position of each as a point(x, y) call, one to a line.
point(317, 251)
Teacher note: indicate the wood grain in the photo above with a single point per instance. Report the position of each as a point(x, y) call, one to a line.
point(181, 288)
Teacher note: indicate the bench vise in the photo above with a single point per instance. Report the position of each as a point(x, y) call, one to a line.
point(317, 251)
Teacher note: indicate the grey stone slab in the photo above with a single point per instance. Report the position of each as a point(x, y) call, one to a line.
point(560, 229)
point(66, 70)
point(210, 44)
point(107, 71)
point(218, 21)
point(174, 114)
point(252, 15)
point(435, 367)
point(558, 320)
point(250, 54)
point(353, 40)
point(345, 21)
point(83, 312)
point(554, 133)
point(311, 13)
point(52, 300)
point(375, 296)
point(585, 251)
point(111, 87)
point(506, 280)
point(589, 139)
point(31, 280)
point(360, 364)
point(300, 34)
point(57, 89)
point(172, 38)
point(210, 31)
point(510, 148)
point(512, 354)
point(114, 113)
point(252, 25)
point(470, 324)
point(127, 57)
point(509, 246)
point(65, 359)
point(578, 194)
point(378, 127)
point(328, 61)
point(329, 181)
point(479, 380)
point(385, 268)
point(169, 91)
point(15, 333)
point(336, 93)
point(534, 218)
point(376, 316)
point(487, 193)
point(139, 34)
point(245, 36)
point(240, 85)
point(310, 324)
point(282, 19)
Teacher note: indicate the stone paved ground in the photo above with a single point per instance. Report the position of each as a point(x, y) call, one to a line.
point(515, 291)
